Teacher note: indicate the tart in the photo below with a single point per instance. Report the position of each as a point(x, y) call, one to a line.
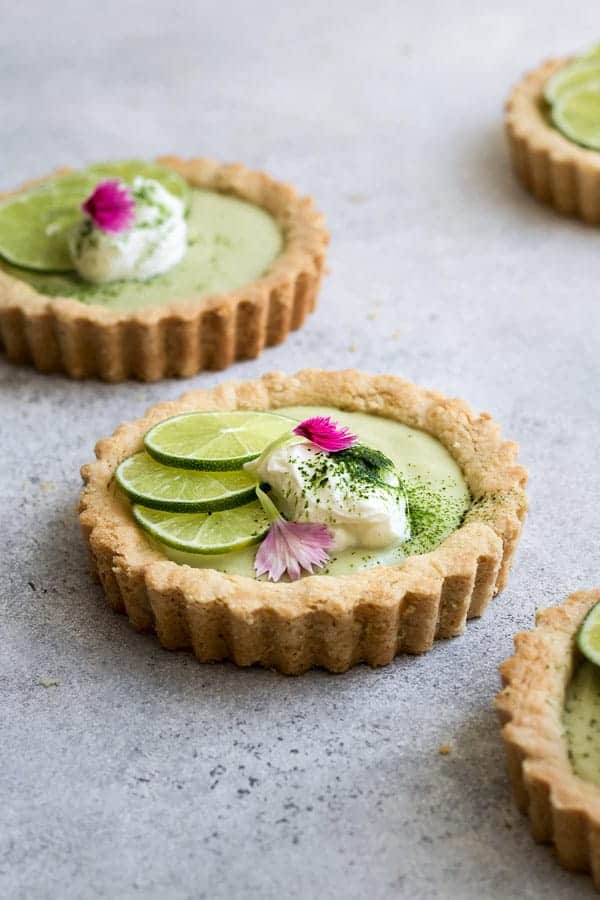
point(250, 274)
point(552, 123)
point(548, 708)
point(466, 500)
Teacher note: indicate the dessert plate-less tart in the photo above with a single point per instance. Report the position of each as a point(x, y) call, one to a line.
point(553, 128)
point(550, 709)
point(319, 519)
point(149, 270)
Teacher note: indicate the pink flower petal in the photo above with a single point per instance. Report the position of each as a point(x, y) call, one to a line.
point(290, 547)
point(326, 434)
point(110, 206)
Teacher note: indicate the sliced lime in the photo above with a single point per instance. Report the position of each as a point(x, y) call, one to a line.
point(588, 638)
point(129, 169)
point(35, 224)
point(218, 532)
point(148, 482)
point(575, 75)
point(215, 441)
point(577, 114)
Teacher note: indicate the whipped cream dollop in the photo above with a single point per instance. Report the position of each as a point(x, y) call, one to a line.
point(154, 243)
point(355, 492)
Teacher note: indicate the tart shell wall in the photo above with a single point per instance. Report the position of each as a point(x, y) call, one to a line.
point(554, 169)
point(178, 338)
point(327, 621)
point(563, 809)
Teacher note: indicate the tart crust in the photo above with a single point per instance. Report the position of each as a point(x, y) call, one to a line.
point(563, 808)
point(319, 620)
point(180, 337)
point(553, 168)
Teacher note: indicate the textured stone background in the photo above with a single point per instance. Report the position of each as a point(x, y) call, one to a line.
point(143, 774)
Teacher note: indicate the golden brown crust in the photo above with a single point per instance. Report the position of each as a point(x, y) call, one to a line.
point(563, 809)
point(333, 622)
point(182, 337)
point(554, 169)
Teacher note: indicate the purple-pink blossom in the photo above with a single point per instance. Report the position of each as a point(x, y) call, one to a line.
point(110, 206)
point(326, 434)
point(290, 547)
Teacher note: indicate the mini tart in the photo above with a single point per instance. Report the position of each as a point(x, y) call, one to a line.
point(319, 620)
point(563, 808)
point(553, 168)
point(181, 337)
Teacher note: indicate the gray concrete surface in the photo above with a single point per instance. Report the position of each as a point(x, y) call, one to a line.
point(142, 773)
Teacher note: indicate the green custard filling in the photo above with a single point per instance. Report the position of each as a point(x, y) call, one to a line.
point(582, 722)
point(231, 243)
point(437, 495)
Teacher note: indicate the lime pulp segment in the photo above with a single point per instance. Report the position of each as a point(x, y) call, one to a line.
point(35, 224)
point(156, 486)
point(588, 639)
point(216, 441)
point(577, 114)
point(218, 532)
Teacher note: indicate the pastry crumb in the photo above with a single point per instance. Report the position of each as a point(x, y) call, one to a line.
point(48, 682)
point(445, 749)
point(357, 198)
point(352, 347)
point(46, 486)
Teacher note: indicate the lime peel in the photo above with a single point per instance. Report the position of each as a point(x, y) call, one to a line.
point(155, 486)
point(206, 533)
point(215, 441)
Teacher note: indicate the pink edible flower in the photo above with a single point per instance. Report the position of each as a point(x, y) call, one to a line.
point(326, 434)
point(110, 206)
point(290, 547)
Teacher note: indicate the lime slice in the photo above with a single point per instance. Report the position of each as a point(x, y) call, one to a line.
point(214, 440)
point(34, 225)
point(218, 532)
point(577, 74)
point(577, 114)
point(129, 169)
point(148, 482)
point(588, 638)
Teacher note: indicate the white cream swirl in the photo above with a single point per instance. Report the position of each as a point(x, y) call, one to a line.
point(155, 242)
point(309, 485)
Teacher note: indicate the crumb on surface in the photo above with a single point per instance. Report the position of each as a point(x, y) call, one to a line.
point(48, 682)
point(353, 347)
point(357, 197)
point(445, 749)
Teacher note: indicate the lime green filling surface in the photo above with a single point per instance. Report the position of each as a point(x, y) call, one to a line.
point(437, 494)
point(582, 722)
point(231, 243)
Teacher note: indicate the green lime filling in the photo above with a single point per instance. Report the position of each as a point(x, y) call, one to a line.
point(582, 722)
point(437, 495)
point(231, 243)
